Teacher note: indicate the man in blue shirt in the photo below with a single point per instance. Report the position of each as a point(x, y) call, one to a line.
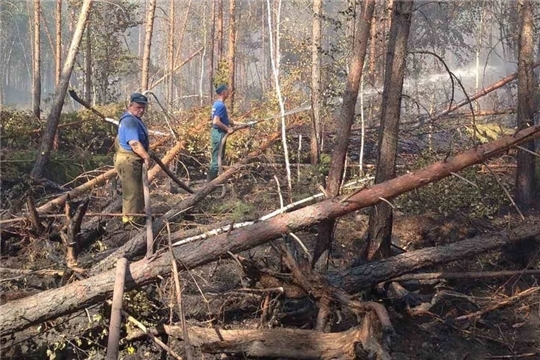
point(221, 125)
point(131, 153)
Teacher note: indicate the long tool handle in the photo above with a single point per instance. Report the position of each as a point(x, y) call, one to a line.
point(171, 175)
point(148, 213)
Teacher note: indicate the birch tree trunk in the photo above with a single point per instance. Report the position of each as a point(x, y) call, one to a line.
point(380, 220)
point(316, 83)
point(232, 49)
point(36, 63)
point(275, 70)
point(346, 119)
point(526, 106)
point(58, 103)
point(148, 44)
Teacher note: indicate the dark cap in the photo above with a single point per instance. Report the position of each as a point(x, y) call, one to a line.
point(138, 98)
point(221, 89)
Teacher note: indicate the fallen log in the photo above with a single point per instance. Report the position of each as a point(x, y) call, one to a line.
point(20, 314)
point(50, 304)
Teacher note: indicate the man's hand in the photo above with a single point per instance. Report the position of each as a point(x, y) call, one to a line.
point(147, 162)
point(230, 130)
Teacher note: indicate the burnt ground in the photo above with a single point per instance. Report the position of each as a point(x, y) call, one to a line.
point(215, 294)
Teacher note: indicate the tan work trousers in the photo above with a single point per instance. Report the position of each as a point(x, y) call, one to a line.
point(129, 168)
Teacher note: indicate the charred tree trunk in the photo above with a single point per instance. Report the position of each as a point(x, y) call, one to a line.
point(346, 119)
point(526, 106)
point(380, 220)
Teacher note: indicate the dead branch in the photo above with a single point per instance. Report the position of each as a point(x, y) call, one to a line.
point(71, 230)
point(33, 215)
point(116, 310)
point(497, 305)
point(466, 275)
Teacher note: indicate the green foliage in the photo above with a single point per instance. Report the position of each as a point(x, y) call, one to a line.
point(237, 210)
point(454, 195)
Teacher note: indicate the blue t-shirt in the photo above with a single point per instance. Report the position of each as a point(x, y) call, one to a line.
point(132, 128)
point(219, 109)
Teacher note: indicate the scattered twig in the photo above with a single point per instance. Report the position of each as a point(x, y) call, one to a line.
point(500, 304)
point(466, 275)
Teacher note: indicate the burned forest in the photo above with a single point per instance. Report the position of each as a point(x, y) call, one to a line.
point(311, 179)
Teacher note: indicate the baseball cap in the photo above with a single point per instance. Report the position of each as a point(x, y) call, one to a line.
point(138, 98)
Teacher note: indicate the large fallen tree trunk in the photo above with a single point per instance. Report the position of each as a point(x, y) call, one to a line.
point(336, 208)
point(20, 314)
point(50, 304)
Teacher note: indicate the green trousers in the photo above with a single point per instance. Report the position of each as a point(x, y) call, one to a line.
point(216, 138)
point(129, 168)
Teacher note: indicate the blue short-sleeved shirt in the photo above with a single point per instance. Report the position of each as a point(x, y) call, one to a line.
point(219, 109)
point(132, 128)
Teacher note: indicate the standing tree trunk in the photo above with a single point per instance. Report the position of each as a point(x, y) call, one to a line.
point(170, 55)
point(380, 220)
point(526, 106)
point(212, 52)
point(148, 44)
point(316, 133)
point(58, 103)
point(346, 119)
point(58, 51)
point(232, 49)
point(36, 68)
point(275, 60)
point(219, 11)
point(88, 63)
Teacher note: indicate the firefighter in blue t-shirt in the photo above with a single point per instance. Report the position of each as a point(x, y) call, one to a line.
point(221, 125)
point(131, 153)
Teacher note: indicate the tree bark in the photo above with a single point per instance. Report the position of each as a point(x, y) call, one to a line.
point(36, 63)
point(346, 119)
point(526, 107)
point(54, 116)
point(380, 220)
point(148, 44)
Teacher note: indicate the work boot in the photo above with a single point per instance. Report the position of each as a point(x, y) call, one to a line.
point(212, 174)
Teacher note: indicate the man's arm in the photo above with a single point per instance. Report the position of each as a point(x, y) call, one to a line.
point(217, 121)
point(138, 149)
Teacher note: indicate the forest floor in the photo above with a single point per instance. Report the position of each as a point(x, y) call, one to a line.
point(215, 294)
